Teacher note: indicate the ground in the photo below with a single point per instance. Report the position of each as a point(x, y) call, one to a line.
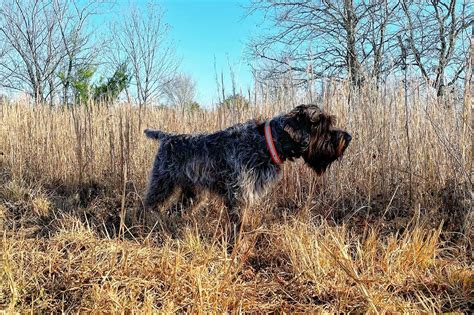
point(387, 229)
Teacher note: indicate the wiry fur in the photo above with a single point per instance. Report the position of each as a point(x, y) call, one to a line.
point(235, 163)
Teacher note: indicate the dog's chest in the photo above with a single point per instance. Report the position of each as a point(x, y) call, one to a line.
point(258, 181)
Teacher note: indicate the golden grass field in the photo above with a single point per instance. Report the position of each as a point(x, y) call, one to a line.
point(387, 229)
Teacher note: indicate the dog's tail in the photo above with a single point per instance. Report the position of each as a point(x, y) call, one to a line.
point(156, 134)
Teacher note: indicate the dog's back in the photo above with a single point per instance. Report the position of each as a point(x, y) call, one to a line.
point(208, 158)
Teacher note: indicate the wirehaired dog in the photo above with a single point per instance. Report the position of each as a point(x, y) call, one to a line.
point(239, 163)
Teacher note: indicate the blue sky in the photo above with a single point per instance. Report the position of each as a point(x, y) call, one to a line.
point(207, 35)
point(208, 30)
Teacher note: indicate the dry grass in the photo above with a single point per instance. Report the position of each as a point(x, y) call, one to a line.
point(357, 239)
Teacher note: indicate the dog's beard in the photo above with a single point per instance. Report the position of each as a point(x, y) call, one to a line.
point(317, 163)
point(319, 157)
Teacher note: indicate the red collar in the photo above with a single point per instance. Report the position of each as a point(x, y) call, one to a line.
point(271, 145)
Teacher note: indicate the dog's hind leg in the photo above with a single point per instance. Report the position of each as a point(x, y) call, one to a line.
point(160, 188)
point(187, 199)
point(188, 196)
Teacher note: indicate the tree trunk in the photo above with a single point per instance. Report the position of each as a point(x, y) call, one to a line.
point(351, 55)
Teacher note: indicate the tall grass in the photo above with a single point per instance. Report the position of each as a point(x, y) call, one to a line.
point(387, 229)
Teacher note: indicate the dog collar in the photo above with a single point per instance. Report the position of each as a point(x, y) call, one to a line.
point(270, 144)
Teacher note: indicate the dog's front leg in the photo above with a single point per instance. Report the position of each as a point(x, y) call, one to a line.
point(233, 211)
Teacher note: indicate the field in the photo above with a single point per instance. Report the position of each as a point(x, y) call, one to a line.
point(387, 229)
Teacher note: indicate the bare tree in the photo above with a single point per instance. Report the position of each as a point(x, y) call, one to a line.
point(379, 42)
point(140, 39)
point(80, 51)
point(180, 91)
point(38, 38)
point(437, 39)
point(32, 47)
point(324, 38)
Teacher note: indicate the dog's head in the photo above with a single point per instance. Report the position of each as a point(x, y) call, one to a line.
point(314, 133)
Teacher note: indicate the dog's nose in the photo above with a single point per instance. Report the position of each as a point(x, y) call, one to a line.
point(347, 137)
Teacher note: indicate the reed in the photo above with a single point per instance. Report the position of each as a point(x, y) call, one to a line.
point(388, 229)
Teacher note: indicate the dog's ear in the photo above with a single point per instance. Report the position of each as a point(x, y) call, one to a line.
point(296, 132)
point(304, 120)
point(298, 125)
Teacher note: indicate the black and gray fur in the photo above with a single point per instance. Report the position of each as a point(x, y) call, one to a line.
point(235, 163)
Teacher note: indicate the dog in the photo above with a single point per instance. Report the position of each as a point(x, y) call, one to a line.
point(239, 163)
